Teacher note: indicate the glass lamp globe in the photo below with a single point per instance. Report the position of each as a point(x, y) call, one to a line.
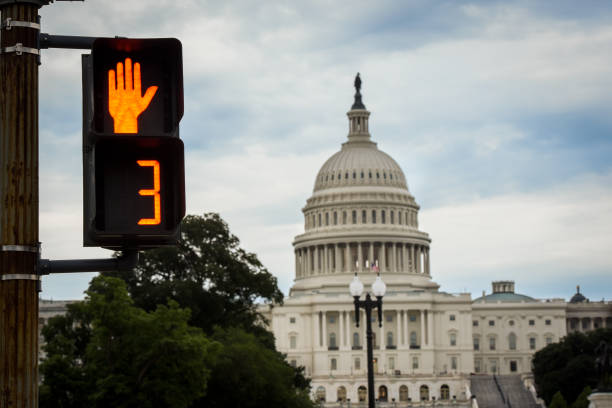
point(356, 287)
point(378, 287)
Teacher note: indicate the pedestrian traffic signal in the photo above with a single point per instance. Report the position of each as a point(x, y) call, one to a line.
point(133, 164)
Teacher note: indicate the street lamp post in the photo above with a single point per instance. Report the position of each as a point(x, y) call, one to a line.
point(378, 290)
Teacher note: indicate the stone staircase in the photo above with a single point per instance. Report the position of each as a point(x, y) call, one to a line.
point(504, 391)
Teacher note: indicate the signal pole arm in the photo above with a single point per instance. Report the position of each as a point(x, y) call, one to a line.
point(127, 261)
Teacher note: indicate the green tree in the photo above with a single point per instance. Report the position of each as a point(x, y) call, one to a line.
point(582, 401)
point(106, 352)
point(568, 365)
point(248, 374)
point(558, 401)
point(209, 273)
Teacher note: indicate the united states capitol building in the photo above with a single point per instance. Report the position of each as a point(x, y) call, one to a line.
point(432, 346)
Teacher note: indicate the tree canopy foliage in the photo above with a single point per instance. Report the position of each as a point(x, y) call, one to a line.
point(208, 272)
point(181, 330)
point(569, 365)
point(105, 352)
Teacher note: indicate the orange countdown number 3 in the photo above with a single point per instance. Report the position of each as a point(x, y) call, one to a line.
point(156, 220)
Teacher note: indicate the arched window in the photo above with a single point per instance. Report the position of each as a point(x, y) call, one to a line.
point(403, 393)
point(413, 339)
point(354, 217)
point(424, 393)
point(389, 338)
point(320, 393)
point(335, 218)
point(333, 364)
point(343, 217)
point(399, 217)
point(491, 343)
point(392, 217)
point(326, 218)
point(332, 339)
point(355, 339)
point(362, 393)
point(453, 339)
point(319, 219)
point(373, 216)
point(293, 341)
point(382, 393)
point(363, 217)
point(512, 341)
point(383, 217)
point(444, 392)
point(341, 394)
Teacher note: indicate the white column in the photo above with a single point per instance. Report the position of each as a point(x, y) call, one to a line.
point(418, 259)
point(347, 263)
point(422, 328)
point(360, 256)
point(412, 259)
point(383, 257)
point(371, 254)
point(297, 263)
point(406, 339)
point(405, 266)
point(427, 271)
point(398, 331)
point(324, 329)
point(430, 327)
point(336, 258)
point(325, 259)
point(341, 325)
point(317, 336)
point(393, 267)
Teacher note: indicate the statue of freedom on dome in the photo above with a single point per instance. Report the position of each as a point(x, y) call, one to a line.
point(358, 83)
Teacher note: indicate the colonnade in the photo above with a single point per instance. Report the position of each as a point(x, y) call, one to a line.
point(402, 327)
point(361, 256)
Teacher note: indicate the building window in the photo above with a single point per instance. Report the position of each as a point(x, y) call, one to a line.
point(292, 341)
point(493, 366)
point(532, 322)
point(412, 318)
point(326, 218)
point(391, 363)
point(320, 393)
point(373, 216)
point(354, 216)
point(332, 319)
point(491, 343)
point(476, 343)
point(343, 217)
point(511, 322)
point(512, 341)
point(383, 218)
point(444, 392)
point(335, 218)
point(413, 339)
point(513, 366)
point(389, 338)
point(453, 363)
point(332, 339)
point(399, 217)
point(548, 340)
point(451, 318)
point(357, 363)
point(532, 343)
point(319, 220)
point(491, 322)
point(475, 323)
point(547, 322)
point(389, 318)
point(403, 393)
point(341, 392)
point(364, 217)
point(292, 320)
point(453, 339)
point(293, 363)
point(356, 339)
point(333, 364)
point(477, 365)
point(415, 363)
point(392, 217)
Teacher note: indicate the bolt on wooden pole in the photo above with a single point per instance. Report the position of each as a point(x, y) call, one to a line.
point(18, 205)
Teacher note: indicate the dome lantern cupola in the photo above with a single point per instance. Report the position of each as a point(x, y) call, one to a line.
point(358, 117)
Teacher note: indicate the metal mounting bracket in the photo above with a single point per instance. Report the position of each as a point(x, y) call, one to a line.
point(19, 248)
point(19, 276)
point(9, 23)
point(19, 49)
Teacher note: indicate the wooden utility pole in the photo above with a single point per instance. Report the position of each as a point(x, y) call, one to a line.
point(19, 203)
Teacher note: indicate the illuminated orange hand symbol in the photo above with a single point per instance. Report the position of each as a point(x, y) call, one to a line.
point(125, 100)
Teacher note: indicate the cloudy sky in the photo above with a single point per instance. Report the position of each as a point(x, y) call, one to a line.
point(499, 113)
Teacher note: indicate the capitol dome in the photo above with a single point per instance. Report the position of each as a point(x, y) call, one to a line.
point(361, 218)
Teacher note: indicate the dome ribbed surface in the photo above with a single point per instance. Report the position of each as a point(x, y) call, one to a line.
point(360, 164)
